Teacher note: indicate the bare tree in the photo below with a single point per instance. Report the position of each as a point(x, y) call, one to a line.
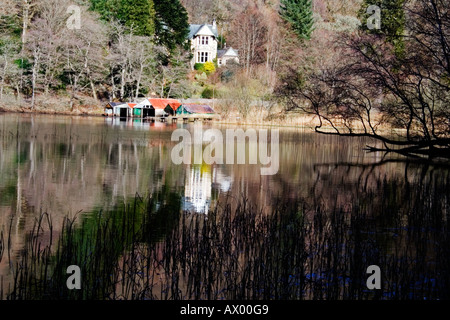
point(35, 48)
point(120, 57)
point(248, 35)
point(29, 8)
point(47, 33)
point(143, 63)
point(370, 87)
point(171, 79)
point(83, 53)
point(7, 68)
point(58, 50)
point(133, 61)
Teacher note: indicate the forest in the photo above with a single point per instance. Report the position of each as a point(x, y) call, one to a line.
point(313, 57)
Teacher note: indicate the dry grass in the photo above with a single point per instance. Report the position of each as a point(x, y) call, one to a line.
point(52, 105)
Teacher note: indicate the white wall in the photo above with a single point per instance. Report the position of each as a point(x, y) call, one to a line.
point(210, 48)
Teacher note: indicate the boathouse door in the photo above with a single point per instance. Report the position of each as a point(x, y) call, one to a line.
point(123, 112)
point(148, 112)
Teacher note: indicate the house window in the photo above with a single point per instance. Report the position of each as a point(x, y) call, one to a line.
point(202, 57)
point(205, 40)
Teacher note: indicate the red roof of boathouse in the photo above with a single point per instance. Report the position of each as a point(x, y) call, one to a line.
point(163, 103)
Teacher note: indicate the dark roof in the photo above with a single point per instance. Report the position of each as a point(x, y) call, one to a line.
point(220, 53)
point(229, 51)
point(113, 104)
point(198, 108)
point(194, 28)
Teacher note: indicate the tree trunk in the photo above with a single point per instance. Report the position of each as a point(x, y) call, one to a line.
point(74, 89)
point(122, 83)
point(113, 87)
point(138, 84)
point(3, 78)
point(25, 19)
point(36, 55)
point(18, 98)
point(94, 92)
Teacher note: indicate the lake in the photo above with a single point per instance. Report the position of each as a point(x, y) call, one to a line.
point(152, 229)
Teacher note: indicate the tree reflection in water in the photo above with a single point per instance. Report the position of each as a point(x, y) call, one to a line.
point(303, 249)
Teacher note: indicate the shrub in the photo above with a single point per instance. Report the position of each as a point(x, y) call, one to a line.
point(209, 67)
point(226, 75)
point(199, 67)
point(208, 93)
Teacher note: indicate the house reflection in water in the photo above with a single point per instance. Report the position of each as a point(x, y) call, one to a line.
point(202, 181)
point(197, 190)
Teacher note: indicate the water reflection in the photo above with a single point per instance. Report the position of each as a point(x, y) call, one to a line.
point(197, 189)
point(201, 181)
point(65, 165)
point(137, 123)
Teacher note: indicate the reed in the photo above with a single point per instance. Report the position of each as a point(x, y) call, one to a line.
point(149, 250)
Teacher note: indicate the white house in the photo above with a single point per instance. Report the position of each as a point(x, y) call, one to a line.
point(203, 39)
point(225, 55)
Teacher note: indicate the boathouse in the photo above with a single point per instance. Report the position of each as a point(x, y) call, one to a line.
point(195, 109)
point(143, 110)
point(164, 107)
point(156, 107)
point(117, 109)
point(172, 106)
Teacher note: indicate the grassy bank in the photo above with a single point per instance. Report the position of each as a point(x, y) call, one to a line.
point(53, 105)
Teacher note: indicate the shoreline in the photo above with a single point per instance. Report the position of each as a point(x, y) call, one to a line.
point(99, 114)
point(292, 121)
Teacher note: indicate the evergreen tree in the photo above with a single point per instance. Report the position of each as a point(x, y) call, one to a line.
point(103, 8)
point(392, 21)
point(138, 14)
point(300, 16)
point(171, 23)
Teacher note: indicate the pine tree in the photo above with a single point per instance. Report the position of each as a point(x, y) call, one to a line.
point(300, 16)
point(138, 14)
point(392, 21)
point(171, 23)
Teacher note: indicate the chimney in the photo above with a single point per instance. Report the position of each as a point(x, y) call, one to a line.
point(214, 25)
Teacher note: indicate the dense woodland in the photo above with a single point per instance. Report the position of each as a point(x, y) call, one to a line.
point(314, 56)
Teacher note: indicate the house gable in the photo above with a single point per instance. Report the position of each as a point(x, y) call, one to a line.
point(231, 53)
point(193, 28)
point(205, 30)
point(226, 55)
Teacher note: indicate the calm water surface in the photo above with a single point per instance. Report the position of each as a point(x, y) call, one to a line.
point(72, 165)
